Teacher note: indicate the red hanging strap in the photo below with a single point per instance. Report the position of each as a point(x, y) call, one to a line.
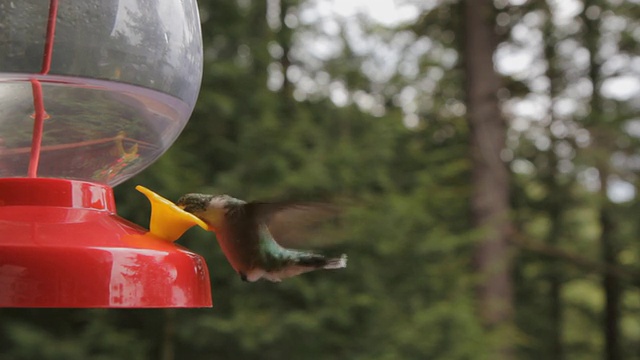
point(36, 87)
point(51, 30)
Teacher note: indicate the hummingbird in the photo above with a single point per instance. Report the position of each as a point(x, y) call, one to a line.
point(243, 232)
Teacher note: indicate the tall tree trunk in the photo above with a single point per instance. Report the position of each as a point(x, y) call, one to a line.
point(604, 144)
point(490, 198)
point(168, 335)
point(611, 285)
point(284, 36)
point(555, 288)
point(556, 202)
point(555, 213)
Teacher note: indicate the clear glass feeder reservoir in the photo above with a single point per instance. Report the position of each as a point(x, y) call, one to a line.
point(117, 86)
point(91, 93)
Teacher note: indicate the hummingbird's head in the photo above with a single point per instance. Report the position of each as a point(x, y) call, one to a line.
point(194, 203)
point(210, 208)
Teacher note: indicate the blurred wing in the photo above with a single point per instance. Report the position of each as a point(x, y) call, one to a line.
point(297, 223)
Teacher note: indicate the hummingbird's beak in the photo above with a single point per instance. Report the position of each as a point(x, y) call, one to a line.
point(209, 226)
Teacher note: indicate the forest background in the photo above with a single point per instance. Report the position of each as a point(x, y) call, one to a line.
point(492, 149)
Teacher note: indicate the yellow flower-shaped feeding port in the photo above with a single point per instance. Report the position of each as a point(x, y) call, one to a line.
point(168, 221)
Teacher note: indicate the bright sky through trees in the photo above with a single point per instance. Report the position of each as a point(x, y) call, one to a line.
point(518, 58)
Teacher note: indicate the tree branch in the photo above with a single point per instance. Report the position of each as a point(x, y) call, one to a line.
point(630, 275)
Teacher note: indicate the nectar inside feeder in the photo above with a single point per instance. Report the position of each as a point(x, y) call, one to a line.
point(91, 93)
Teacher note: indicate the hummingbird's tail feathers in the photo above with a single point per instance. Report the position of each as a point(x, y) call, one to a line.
point(304, 263)
point(336, 263)
point(317, 261)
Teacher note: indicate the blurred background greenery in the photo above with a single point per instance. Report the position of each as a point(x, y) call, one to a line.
point(494, 143)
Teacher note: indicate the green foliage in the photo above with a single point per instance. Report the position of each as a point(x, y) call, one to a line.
point(409, 289)
point(68, 335)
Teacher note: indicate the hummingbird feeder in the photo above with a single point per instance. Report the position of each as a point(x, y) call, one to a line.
point(91, 93)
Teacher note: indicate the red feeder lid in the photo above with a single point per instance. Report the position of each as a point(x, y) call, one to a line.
point(63, 245)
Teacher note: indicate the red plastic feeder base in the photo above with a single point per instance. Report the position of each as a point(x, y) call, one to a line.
point(62, 245)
